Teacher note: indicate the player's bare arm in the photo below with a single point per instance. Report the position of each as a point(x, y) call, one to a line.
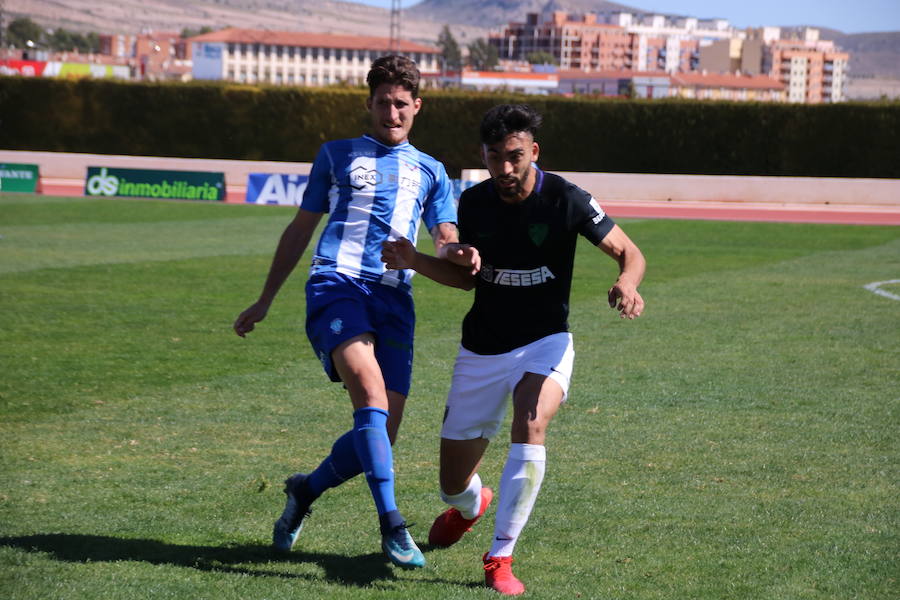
point(624, 295)
point(290, 248)
point(455, 265)
point(447, 246)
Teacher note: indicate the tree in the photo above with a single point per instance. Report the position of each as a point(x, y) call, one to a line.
point(449, 50)
point(22, 30)
point(186, 32)
point(540, 58)
point(483, 56)
point(63, 40)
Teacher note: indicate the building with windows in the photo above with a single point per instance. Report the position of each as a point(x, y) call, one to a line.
point(581, 44)
point(613, 41)
point(296, 58)
point(506, 81)
point(624, 84)
point(813, 70)
point(727, 86)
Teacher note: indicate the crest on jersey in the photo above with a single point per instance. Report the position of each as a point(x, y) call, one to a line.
point(337, 326)
point(538, 233)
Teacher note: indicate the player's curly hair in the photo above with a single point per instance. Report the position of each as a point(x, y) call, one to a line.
point(504, 119)
point(396, 70)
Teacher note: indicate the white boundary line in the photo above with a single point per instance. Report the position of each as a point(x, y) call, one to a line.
point(876, 288)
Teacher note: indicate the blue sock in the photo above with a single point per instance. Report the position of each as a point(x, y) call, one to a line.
point(370, 438)
point(339, 466)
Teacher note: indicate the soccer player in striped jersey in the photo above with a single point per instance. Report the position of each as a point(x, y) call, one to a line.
point(515, 340)
point(360, 315)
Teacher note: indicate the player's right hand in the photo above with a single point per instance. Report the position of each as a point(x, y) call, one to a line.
point(248, 319)
point(464, 255)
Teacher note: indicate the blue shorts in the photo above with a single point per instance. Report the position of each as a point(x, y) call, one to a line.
point(339, 307)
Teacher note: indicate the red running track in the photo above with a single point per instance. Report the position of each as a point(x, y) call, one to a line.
point(709, 211)
point(722, 211)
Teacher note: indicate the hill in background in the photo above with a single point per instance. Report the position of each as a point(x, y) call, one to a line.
point(873, 55)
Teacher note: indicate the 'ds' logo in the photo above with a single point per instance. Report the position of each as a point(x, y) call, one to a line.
point(102, 184)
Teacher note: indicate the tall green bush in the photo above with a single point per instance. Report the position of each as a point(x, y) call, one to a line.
point(219, 120)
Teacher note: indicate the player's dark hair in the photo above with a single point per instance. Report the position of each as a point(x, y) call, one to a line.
point(504, 119)
point(395, 70)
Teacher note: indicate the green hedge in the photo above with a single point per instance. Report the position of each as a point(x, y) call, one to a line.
point(216, 120)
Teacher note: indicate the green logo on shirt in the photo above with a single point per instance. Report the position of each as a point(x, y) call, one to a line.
point(538, 233)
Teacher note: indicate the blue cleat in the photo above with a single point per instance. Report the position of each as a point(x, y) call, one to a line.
point(401, 549)
point(287, 527)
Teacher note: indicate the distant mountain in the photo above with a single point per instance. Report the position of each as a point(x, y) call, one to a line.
point(486, 13)
point(133, 16)
point(872, 54)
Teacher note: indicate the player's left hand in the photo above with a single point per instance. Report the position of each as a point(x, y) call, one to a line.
point(624, 297)
point(399, 254)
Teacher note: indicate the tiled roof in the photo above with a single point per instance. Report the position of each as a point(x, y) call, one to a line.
point(310, 40)
point(608, 74)
point(727, 80)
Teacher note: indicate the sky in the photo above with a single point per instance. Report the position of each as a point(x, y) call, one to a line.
point(849, 16)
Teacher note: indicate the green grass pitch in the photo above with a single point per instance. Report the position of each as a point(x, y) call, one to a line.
point(740, 440)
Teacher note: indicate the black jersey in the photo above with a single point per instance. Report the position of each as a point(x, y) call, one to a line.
point(527, 252)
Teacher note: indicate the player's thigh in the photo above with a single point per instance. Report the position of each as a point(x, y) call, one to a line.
point(536, 401)
point(393, 317)
point(335, 313)
point(354, 361)
point(476, 402)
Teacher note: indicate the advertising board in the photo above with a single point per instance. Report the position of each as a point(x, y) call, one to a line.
point(273, 188)
point(153, 183)
point(18, 177)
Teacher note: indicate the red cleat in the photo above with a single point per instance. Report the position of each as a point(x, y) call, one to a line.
point(498, 575)
point(450, 525)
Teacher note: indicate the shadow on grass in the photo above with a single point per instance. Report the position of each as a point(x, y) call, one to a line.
point(358, 570)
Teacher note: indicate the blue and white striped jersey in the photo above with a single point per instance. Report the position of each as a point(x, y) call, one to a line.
point(373, 193)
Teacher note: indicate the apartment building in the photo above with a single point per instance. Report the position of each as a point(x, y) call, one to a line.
point(813, 70)
point(582, 44)
point(611, 41)
point(152, 55)
point(296, 58)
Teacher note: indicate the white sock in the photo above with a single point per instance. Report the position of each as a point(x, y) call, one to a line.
point(519, 487)
point(468, 501)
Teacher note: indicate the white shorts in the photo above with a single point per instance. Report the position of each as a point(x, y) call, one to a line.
point(476, 403)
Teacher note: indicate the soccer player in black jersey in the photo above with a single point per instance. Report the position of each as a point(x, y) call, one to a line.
point(518, 232)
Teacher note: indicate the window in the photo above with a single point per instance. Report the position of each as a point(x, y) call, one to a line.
point(315, 53)
point(326, 53)
point(290, 51)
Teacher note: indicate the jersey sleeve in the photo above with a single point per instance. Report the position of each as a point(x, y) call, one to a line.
point(587, 217)
point(440, 205)
point(315, 197)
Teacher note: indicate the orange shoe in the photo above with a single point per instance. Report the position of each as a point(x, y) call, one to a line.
point(498, 575)
point(450, 525)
